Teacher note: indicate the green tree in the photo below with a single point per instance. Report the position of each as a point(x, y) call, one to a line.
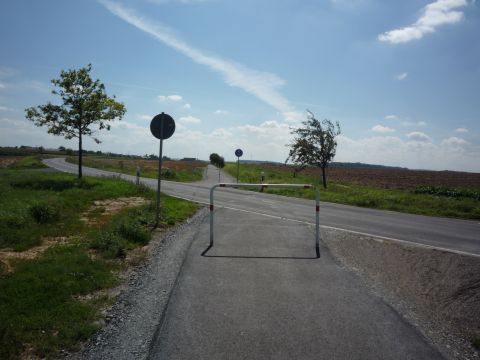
point(314, 144)
point(85, 107)
point(214, 158)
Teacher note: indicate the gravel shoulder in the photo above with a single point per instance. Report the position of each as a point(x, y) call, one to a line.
point(131, 323)
point(437, 291)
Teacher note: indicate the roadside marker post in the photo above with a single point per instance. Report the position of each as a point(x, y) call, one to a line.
point(238, 154)
point(162, 127)
point(304, 186)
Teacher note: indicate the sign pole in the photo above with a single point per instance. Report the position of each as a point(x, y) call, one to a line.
point(159, 184)
point(238, 167)
point(162, 127)
point(238, 153)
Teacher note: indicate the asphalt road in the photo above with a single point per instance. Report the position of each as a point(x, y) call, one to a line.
point(261, 293)
point(450, 234)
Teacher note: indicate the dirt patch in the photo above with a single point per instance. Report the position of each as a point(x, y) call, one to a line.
point(100, 211)
point(6, 256)
point(108, 207)
point(7, 161)
point(436, 290)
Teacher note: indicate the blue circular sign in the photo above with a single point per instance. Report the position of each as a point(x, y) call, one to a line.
point(238, 152)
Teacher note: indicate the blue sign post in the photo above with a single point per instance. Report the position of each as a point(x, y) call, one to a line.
point(238, 154)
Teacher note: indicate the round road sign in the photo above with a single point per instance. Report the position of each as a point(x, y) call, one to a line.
point(238, 152)
point(162, 126)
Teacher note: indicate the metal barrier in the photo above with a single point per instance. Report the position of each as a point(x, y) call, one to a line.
point(304, 186)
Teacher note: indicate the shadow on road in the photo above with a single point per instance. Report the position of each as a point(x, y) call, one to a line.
point(204, 254)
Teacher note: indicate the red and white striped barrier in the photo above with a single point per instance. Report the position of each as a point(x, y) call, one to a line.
point(304, 186)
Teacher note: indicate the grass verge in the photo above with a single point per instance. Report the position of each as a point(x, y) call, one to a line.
point(46, 301)
point(364, 196)
point(181, 171)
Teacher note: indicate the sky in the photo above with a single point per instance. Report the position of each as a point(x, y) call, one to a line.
point(401, 77)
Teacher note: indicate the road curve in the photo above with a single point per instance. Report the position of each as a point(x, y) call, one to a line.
point(454, 235)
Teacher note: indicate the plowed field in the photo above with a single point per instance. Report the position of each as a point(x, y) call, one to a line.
point(392, 178)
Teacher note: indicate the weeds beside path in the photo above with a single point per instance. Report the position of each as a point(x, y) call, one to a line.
point(73, 245)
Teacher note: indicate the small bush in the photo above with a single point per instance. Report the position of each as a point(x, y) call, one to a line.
point(168, 173)
point(44, 213)
point(15, 220)
point(110, 244)
point(134, 232)
point(448, 192)
point(143, 188)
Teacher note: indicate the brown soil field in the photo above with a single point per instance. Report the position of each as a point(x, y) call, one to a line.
point(178, 165)
point(393, 178)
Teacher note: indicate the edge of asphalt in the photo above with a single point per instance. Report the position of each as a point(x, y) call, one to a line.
point(143, 297)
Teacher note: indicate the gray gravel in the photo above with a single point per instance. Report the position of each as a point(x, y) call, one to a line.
point(133, 320)
point(436, 291)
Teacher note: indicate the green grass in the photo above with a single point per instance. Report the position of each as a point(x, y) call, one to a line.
point(35, 205)
point(364, 196)
point(38, 306)
point(29, 162)
point(129, 167)
point(42, 302)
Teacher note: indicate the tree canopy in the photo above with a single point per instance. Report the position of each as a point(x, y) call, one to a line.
point(85, 108)
point(217, 160)
point(314, 144)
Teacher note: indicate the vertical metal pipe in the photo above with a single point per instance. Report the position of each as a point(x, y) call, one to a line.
point(211, 214)
point(159, 183)
point(238, 167)
point(317, 220)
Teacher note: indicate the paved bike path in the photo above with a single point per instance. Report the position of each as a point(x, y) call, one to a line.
point(261, 293)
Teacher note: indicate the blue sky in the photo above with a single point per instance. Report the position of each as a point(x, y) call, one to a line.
point(401, 77)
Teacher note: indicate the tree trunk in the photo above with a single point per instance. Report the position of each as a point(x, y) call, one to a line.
point(324, 177)
point(80, 154)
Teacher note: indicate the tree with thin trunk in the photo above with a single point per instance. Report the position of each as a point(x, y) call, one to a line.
point(315, 144)
point(85, 108)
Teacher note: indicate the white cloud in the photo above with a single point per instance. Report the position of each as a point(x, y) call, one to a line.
point(391, 117)
point(187, 106)
point(419, 136)
point(189, 120)
point(461, 130)
point(5, 108)
point(265, 86)
point(294, 116)
point(401, 76)
point(413, 123)
point(170, 98)
point(221, 112)
point(382, 129)
point(454, 141)
point(435, 14)
point(145, 117)
point(221, 133)
point(2, 86)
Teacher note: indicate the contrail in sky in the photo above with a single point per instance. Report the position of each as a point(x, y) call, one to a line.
point(265, 86)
